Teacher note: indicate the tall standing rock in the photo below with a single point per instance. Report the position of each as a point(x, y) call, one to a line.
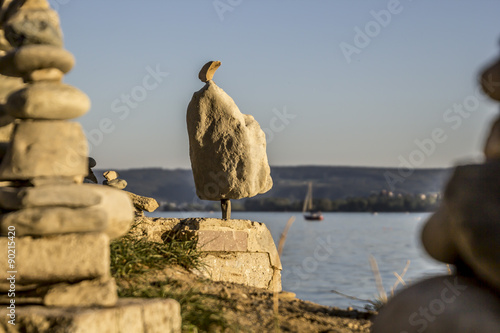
point(227, 148)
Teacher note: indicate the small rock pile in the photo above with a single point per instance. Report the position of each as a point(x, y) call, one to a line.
point(140, 203)
point(464, 232)
point(57, 228)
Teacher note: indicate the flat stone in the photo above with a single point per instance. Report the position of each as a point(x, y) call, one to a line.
point(227, 148)
point(63, 258)
point(55, 180)
point(44, 149)
point(473, 197)
point(71, 196)
point(47, 74)
point(119, 184)
point(208, 70)
point(441, 304)
point(27, 59)
point(54, 220)
point(133, 315)
point(98, 292)
point(48, 100)
point(143, 203)
point(238, 251)
point(33, 26)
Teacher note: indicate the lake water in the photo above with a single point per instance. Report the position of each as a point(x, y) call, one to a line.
point(333, 254)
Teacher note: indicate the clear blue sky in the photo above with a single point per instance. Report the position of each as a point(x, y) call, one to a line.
point(364, 107)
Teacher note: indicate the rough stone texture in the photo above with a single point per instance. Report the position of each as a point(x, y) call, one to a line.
point(22, 61)
point(473, 198)
point(130, 315)
point(98, 292)
point(70, 195)
point(116, 183)
point(7, 86)
point(63, 258)
point(239, 251)
point(143, 203)
point(54, 220)
point(33, 26)
point(48, 100)
point(492, 146)
point(441, 304)
point(110, 175)
point(208, 70)
point(227, 148)
point(48, 148)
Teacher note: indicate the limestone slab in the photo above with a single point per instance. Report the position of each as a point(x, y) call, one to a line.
point(143, 203)
point(44, 149)
point(64, 258)
point(119, 209)
point(48, 100)
point(227, 148)
point(27, 59)
point(71, 196)
point(98, 292)
point(130, 315)
point(54, 220)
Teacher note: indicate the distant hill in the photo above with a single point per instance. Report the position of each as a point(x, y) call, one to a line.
point(332, 182)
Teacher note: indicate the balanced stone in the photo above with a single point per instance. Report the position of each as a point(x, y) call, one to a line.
point(54, 220)
point(116, 183)
point(208, 70)
point(441, 304)
point(33, 26)
point(45, 148)
point(48, 100)
point(227, 148)
point(473, 197)
point(110, 175)
point(62, 258)
point(47, 74)
point(23, 61)
point(489, 80)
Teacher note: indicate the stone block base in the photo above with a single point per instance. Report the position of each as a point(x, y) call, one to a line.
point(129, 315)
point(238, 251)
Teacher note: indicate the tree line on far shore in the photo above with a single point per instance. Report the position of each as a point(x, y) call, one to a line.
point(381, 202)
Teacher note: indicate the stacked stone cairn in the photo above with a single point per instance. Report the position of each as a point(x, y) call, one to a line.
point(227, 148)
point(61, 228)
point(465, 233)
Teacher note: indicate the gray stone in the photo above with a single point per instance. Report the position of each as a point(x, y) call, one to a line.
point(72, 196)
point(473, 197)
point(44, 149)
point(134, 315)
point(63, 258)
point(441, 304)
point(98, 292)
point(48, 100)
point(23, 61)
point(33, 26)
point(227, 148)
point(489, 79)
point(143, 203)
point(54, 220)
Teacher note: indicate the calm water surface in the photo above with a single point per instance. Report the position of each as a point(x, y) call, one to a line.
point(333, 253)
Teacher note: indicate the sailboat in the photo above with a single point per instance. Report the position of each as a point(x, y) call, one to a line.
point(311, 214)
